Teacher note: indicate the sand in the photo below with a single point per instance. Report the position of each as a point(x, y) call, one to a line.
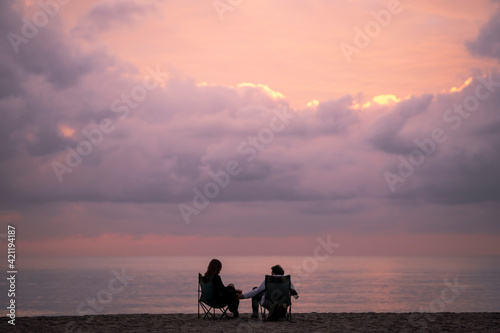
point(301, 322)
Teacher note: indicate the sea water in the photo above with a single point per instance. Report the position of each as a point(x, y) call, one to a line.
point(112, 285)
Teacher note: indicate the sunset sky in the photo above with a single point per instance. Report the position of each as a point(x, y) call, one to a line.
point(374, 123)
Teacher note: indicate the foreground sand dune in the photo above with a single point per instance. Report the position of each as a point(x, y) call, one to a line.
point(302, 322)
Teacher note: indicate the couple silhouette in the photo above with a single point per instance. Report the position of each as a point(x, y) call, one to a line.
point(230, 296)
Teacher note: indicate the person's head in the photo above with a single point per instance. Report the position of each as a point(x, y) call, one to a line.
point(277, 270)
point(214, 267)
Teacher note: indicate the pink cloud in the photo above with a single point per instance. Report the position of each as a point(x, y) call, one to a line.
point(323, 172)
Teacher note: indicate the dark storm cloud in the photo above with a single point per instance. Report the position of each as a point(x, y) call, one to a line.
point(9, 81)
point(112, 14)
point(143, 161)
point(47, 51)
point(386, 131)
point(487, 43)
point(462, 169)
point(335, 116)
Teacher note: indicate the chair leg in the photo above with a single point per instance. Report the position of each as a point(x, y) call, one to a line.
point(206, 310)
point(262, 312)
point(224, 312)
point(211, 312)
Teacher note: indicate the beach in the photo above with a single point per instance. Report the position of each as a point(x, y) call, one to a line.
point(301, 322)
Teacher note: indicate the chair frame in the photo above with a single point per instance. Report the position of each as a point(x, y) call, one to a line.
point(268, 295)
point(209, 309)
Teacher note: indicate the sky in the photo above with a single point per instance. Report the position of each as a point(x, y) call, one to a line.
point(238, 127)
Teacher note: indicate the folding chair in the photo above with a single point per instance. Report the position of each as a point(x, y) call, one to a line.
point(207, 299)
point(277, 298)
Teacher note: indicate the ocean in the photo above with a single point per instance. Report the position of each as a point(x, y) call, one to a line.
point(114, 285)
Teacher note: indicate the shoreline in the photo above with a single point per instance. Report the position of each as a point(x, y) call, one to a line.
point(301, 322)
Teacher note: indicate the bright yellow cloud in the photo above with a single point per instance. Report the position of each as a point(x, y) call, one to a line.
point(266, 89)
point(385, 99)
point(312, 103)
point(465, 84)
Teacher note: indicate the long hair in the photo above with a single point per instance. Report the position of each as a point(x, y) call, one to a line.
point(214, 267)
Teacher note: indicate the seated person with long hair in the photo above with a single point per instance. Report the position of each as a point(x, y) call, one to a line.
point(227, 295)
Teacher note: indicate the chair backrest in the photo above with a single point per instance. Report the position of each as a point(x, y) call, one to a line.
point(278, 289)
point(207, 289)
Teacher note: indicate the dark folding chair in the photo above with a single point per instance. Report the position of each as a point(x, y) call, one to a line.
point(277, 298)
point(207, 299)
